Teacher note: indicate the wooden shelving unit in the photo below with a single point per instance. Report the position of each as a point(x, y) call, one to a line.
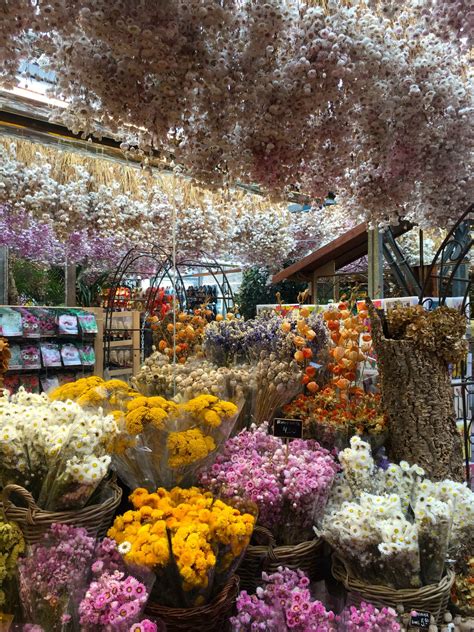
point(128, 325)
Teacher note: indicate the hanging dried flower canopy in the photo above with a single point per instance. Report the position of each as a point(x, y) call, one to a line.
point(370, 99)
point(56, 206)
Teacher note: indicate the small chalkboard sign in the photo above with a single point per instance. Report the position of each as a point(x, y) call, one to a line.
point(288, 428)
point(420, 620)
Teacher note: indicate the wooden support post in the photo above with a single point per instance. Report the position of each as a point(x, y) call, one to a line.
point(375, 251)
point(3, 275)
point(70, 285)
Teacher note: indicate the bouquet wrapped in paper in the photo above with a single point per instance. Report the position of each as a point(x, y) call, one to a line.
point(289, 484)
point(56, 450)
point(164, 443)
point(191, 540)
point(52, 573)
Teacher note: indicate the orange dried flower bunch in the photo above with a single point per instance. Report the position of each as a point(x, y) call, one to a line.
point(301, 337)
point(5, 355)
point(349, 343)
point(361, 413)
point(187, 334)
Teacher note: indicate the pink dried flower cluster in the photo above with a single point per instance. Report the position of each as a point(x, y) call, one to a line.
point(290, 484)
point(284, 603)
point(352, 97)
point(112, 602)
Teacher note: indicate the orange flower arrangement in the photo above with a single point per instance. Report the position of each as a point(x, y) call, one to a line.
point(185, 336)
point(328, 417)
point(350, 343)
point(301, 339)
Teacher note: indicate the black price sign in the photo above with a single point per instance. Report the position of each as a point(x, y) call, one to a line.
point(421, 620)
point(288, 428)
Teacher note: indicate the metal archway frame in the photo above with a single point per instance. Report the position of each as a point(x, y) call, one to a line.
point(165, 269)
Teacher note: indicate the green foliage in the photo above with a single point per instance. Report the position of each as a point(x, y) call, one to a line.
point(256, 289)
point(38, 284)
point(88, 288)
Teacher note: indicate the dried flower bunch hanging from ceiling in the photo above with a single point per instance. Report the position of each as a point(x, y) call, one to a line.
point(55, 205)
point(370, 99)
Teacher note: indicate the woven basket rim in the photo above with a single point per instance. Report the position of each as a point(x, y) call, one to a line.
point(220, 599)
point(35, 514)
point(281, 549)
point(341, 573)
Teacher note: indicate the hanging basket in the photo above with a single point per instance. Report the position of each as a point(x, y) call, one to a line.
point(34, 521)
point(306, 556)
point(433, 598)
point(209, 618)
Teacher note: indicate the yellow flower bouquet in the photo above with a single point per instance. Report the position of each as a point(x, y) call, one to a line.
point(191, 540)
point(94, 392)
point(164, 443)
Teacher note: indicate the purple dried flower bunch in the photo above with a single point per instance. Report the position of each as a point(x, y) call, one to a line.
point(113, 602)
point(51, 573)
point(289, 484)
point(230, 340)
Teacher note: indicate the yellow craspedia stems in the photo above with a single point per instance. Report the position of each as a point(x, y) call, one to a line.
point(74, 390)
point(188, 446)
point(143, 411)
point(203, 532)
point(209, 409)
point(95, 392)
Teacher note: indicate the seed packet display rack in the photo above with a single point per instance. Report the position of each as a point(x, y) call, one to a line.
point(22, 376)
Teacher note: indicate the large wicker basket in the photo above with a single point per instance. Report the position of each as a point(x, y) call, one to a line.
point(212, 617)
point(34, 521)
point(433, 598)
point(307, 556)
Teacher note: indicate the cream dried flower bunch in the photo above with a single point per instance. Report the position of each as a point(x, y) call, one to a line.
point(392, 526)
point(158, 376)
point(56, 450)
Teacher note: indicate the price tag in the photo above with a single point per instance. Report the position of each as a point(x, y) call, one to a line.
point(420, 620)
point(288, 428)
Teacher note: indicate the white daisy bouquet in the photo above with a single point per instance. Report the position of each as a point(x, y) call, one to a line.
point(56, 450)
point(392, 526)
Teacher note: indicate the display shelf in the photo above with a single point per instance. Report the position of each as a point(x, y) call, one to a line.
point(127, 322)
point(115, 372)
point(120, 343)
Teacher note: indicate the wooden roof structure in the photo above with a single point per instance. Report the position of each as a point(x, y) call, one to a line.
point(342, 251)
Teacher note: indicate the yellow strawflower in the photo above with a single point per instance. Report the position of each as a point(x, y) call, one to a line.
point(198, 525)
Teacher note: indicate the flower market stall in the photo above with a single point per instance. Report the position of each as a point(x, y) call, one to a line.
point(170, 461)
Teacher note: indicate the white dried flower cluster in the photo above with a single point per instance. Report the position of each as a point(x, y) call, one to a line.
point(236, 225)
point(401, 531)
point(158, 377)
point(36, 434)
point(462, 500)
point(351, 97)
point(375, 539)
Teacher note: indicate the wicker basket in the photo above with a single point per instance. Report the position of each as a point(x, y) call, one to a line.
point(433, 599)
point(34, 521)
point(307, 556)
point(209, 618)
